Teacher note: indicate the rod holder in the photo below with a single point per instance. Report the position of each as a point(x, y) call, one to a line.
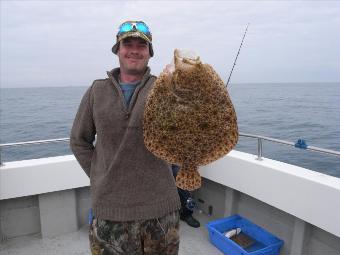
point(259, 149)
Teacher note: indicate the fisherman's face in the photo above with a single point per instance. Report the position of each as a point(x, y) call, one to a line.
point(134, 55)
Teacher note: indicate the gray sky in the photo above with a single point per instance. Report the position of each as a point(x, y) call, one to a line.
point(68, 43)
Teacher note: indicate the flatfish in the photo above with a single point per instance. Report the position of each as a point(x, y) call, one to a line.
point(189, 119)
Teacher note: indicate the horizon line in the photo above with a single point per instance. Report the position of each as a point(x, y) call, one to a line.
point(68, 86)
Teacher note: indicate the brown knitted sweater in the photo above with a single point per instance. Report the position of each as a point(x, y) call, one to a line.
point(127, 181)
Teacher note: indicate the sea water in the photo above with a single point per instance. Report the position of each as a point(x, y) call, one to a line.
point(286, 111)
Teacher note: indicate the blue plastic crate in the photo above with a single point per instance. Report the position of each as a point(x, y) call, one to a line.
point(264, 243)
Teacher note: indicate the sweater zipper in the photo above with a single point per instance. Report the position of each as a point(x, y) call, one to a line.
point(122, 100)
point(127, 109)
point(135, 95)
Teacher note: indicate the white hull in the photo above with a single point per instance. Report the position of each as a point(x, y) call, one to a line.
point(51, 197)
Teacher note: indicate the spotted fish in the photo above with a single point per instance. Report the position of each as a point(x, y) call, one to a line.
point(189, 119)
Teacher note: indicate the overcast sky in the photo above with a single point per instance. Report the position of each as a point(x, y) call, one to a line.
point(68, 43)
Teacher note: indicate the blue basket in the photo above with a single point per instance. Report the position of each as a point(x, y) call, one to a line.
point(264, 243)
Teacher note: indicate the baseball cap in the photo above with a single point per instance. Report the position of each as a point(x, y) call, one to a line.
point(133, 29)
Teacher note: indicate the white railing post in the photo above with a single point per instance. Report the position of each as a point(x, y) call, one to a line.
point(259, 149)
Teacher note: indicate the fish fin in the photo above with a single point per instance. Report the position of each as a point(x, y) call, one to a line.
point(188, 179)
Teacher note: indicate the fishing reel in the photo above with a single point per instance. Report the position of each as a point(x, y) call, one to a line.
point(190, 204)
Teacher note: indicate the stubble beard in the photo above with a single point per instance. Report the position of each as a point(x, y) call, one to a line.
point(134, 69)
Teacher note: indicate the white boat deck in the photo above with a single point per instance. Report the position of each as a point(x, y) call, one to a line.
point(192, 241)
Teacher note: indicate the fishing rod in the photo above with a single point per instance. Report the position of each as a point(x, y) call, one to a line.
point(237, 55)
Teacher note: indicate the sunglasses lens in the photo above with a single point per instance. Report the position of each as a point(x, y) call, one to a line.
point(126, 27)
point(142, 28)
point(133, 26)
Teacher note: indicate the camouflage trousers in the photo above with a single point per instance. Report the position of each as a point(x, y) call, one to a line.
point(149, 237)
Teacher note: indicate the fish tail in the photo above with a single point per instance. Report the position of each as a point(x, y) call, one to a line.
point(188, 178)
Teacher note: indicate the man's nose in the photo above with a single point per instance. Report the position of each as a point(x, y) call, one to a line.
point(134, 50)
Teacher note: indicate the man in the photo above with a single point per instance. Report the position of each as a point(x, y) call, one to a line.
point(134, 197)
point(187, 204)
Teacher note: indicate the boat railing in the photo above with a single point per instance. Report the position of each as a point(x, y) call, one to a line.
point(300, 144)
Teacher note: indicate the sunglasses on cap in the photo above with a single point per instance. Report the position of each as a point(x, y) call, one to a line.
point(132, 26)
point(133, 29)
